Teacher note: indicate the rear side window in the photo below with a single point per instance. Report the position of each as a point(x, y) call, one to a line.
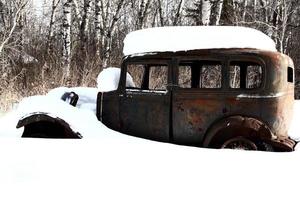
point(200, 74)
point(290, 74)
point(245, 75)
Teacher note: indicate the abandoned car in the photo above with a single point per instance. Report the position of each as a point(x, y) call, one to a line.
point(215, 87)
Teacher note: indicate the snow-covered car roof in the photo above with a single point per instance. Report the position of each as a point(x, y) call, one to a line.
point(184, 38)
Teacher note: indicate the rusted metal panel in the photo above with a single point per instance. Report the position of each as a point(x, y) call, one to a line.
point(146, 115)
point(194, 112)
point(108, 109)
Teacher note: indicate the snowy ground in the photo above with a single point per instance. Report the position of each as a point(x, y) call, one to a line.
point(116, 166)
point(96, 169)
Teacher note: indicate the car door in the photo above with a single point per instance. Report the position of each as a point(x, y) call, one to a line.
point(145, 108)
point(198, 100)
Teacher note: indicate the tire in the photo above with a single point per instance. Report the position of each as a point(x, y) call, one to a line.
point(240, 143)
point(264, 146)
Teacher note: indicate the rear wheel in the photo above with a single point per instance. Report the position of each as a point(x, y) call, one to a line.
point(240, 143)
point(263, 146)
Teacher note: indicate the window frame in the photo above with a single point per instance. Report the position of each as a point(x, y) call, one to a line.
point(151, 62)
point(199, 59)
point(256, 60)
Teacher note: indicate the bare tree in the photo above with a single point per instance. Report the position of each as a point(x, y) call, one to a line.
point(206, 11)
point(109, 19)
point(161, 15)
point(142, 13)
point(85, 23)
point(178, 12)
point(216, 11)
point(67, 40)
point(98, 26)
point(49, 45)
point(16, 18)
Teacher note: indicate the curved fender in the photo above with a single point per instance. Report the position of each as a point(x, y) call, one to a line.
point(260, 130)
point(50, 126)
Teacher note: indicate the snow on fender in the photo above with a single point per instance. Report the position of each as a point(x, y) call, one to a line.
point(108, 79)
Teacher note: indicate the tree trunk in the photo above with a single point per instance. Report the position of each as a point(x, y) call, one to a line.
point(206, 10)
point(85, 23)
point(14, 24)
point(2, 14)
point(77, 12)
point(98, 26)
point(108, 35)
point(140, 15)
point(216, 12)
point(161, 16)
point(254, 9)
point(245, 10)
point(178, 11)
point(67, 40)
point(49, 46)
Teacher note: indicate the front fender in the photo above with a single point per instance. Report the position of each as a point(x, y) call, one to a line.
point(44, 125)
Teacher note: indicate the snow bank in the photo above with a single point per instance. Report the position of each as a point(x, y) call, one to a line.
point(87, 96)
point(8, 123)
point(185, 38)
point(108, 79)
point(38, 169)
point(80, 120)
point(294, 130)
point(117, 166)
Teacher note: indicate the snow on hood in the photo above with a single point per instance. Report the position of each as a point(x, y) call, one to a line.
point(108, 79)
point(183, 38)
point(87, 96)
point(83, 121)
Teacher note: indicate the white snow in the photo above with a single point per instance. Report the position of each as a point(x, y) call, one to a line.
point(108, 79)
point(87, 96)
point(111, 165)
point(100, 169)
point(294, 130)
point(183, 38)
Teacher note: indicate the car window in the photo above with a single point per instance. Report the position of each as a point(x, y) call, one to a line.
point(137, 73)
point(184, 76)
point(211, 75)
point(148, 76)
point(245, 75)
point(158, 78)
point(200, 74)
point(290, 75)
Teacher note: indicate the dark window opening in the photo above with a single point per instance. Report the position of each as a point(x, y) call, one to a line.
point(148, 77)
point(290, 74)
point(200, 74)
point(245, 75)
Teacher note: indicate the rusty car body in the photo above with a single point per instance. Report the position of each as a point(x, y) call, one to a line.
point(245, 117)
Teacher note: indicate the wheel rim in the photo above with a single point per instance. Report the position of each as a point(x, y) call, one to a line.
point(240, 143)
